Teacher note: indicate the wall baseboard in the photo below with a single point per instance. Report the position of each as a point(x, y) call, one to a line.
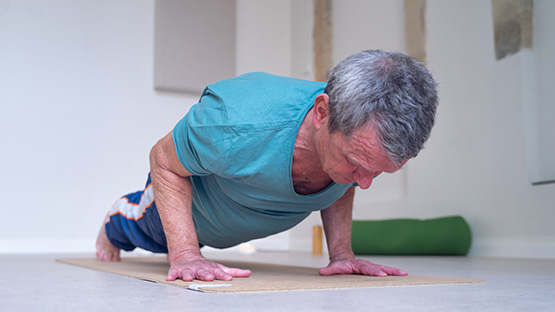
point(41, 246)
point(530, 248)
point(279, 242)
point(534, 248)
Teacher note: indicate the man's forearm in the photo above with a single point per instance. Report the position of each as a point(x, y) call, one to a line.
point(337, 221)
point(174, 206)
point(173, 195)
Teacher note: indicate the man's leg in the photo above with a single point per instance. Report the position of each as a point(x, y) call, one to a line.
point(132, 222)
point(105, 250)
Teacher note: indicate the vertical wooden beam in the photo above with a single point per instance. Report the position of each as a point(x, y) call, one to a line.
point(415, 29)
point(317, 239)
point(323, 36)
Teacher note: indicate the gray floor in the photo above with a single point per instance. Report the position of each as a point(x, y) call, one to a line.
point(38, 283)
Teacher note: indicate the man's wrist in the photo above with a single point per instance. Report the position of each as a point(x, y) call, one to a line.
point(341, 255)
point(184, 254)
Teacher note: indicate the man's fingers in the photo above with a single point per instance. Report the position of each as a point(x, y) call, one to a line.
point(372, 271)
point(237, 272)
point(222, 275)
point(204, 271)
point(393, 271)
point(172, 275)
point(327, 271)
point(205, 275)
point(381, 270)
point(185, 275)
point(357, 266)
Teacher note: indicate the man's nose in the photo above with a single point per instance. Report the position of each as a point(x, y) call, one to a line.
point(364, 179)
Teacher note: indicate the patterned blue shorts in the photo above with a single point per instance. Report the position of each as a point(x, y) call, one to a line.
point(134, 222)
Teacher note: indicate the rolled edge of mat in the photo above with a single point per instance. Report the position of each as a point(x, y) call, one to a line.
point(439, 236)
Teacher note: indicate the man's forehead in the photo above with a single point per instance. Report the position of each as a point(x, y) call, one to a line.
point(364, 148)
point(365, 140)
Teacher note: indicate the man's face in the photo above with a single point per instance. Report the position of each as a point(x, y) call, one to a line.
point(355, 159)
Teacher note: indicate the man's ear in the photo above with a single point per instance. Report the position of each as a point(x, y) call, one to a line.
point(320, 115)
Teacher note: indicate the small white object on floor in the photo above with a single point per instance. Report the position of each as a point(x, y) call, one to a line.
point(196, 286)
point(247, 249)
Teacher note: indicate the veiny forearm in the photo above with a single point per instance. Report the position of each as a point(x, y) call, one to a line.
point(173, 194)
point(337, 222)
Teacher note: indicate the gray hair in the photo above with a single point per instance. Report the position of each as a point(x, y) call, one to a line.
point(391, 90)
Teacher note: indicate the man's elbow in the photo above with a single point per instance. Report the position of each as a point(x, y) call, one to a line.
point(163, 156)
point(158, 156)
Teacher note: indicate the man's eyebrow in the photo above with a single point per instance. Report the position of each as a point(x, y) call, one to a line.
point(352, 161)
point(357, 164)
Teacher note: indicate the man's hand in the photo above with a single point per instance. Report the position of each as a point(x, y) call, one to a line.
point(203, 269)
point(337, 220)
point(359, 266)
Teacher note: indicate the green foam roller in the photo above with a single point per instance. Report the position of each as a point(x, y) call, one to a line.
point(439, 236)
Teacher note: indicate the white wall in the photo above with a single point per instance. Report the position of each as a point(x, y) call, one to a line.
point(538, 79)
point(79, 115)
point(263, 36)
point(475, 162)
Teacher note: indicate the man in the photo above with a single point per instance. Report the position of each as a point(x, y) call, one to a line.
point(259, 153)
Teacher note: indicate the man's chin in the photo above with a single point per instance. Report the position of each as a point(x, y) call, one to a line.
point(342, 180)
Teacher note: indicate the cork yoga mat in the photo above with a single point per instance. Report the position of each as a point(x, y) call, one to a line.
point(264, 277)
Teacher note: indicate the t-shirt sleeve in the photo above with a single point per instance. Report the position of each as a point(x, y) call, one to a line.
point(202, 138)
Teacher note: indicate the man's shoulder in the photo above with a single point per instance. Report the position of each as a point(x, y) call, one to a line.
point(264, 96)
point(263, 82)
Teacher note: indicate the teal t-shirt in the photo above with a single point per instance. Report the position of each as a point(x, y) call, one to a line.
point(238, 143)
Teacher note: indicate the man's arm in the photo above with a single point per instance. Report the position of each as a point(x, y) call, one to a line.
point(173, 194)
point(337, 221)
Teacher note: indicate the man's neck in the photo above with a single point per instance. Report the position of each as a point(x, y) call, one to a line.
point(305, 137)
point(307, 173)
